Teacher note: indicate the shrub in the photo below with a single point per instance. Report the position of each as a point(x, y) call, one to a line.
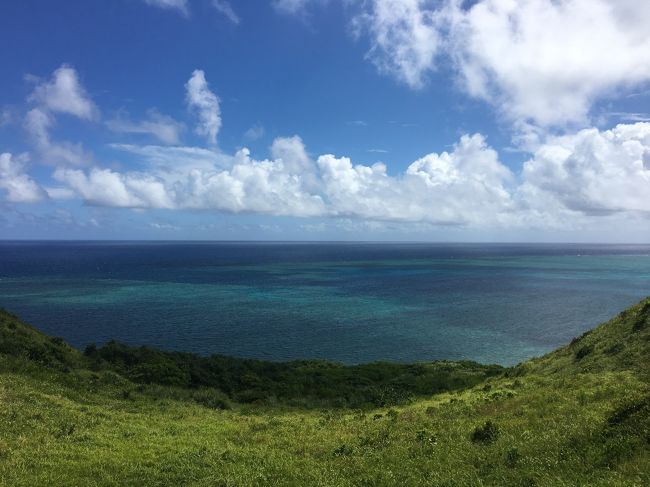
point(640, 323)
point(166, 373)
point(392, 414)
point(614, 349)
point(577, 340)
point(583, 351)
point(486, 434)
point(212, 398)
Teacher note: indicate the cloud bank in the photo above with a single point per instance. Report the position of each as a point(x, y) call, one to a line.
point(567, 180)
point(589, 174)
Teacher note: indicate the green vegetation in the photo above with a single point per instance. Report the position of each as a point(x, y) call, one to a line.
point(119, 415)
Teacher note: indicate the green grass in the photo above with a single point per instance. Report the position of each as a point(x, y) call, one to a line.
point(127, 416)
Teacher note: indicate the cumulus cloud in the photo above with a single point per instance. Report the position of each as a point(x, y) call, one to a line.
point(593, 172)
point(225, 8)
point(206, 105)
point(568, 181)
point(250, 185)
point(180, 5)
point(539, 61)
point(64, 93)
point(467, 185)
point(291, 152)
point(17, 184)
point(164, 128)
point(247, 186)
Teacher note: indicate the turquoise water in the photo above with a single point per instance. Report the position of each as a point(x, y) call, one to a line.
point(345, 302)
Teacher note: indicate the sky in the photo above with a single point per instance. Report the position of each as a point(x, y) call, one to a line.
point(382, 120)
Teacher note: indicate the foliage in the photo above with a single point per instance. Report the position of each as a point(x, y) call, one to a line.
point(486, 434)
point(20, 340)
point(300, 384)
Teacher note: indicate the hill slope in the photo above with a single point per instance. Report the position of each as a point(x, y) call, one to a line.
point(125, 416)
point(622, 343)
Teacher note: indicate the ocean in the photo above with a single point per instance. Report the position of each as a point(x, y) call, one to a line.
point(347, 302)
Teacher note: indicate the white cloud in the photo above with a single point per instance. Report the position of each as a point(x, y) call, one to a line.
point(206, 103)
point(6, 117)
point(569, 179)
point(291, 152)
point(592, 172)
point(64, 93)
point(294, 7)
point(163, 226)
point(631, 116)
point(18, 185)
point(265, 186)
point(180, 5)
point(178, 158)
point(59, 193)
point(548, 61)
point(466, 186)
point(405, 38)
point(38, 123)
point(104, 187)
point(164, 128)
point(249, 185)
point(539, 61)
point(255, 132)
point(225, 8)
point(571, 182)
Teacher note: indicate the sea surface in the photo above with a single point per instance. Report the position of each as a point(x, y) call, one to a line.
point(348, 302)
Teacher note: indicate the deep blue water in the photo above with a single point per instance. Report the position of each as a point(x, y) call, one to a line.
point(347, 302)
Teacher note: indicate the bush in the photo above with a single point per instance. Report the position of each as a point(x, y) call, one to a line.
point(90, 350)
point(486, 434)
point(212, 398)
point(642, 319)
point(165, 373)
point(583, 351)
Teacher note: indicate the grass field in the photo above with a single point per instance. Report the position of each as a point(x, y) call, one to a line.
point(134, 416)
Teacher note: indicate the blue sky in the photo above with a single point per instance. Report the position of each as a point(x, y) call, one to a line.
point(325, 120)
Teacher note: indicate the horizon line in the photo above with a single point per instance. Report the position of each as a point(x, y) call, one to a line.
point(430, 242)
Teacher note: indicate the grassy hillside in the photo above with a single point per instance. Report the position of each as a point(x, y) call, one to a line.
point(135, 416)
